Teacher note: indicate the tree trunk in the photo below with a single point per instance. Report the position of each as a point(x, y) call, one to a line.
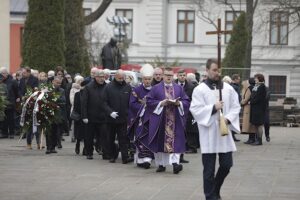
point(249, 24)
point(97, 13)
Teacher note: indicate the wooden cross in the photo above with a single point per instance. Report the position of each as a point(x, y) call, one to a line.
point(219, 32)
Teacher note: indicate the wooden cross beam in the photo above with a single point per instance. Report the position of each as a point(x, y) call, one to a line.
point(219, 32)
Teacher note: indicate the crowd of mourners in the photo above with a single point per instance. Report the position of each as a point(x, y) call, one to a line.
point(160, 119)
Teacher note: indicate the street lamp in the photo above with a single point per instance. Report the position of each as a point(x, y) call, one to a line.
point(119, 24)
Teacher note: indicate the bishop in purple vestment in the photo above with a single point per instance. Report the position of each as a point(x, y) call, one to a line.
point(168, 106)
point(139, 119)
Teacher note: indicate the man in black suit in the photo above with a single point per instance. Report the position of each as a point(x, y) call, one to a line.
point(191, 133)
point(27, 81)
point(12, 97)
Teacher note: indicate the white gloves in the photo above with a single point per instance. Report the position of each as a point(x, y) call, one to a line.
point(85, 121)
point(114, 115)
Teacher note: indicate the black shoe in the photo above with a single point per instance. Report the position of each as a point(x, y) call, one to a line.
point(104, 157)
point(182, 160)
point(161, 168)
point(73, 140)
point(59, 146)
point(177, 168)
point(128, 160)
point(112, 160)
point(257, 142)
point(191, 151)
point(77, 149)
point(84, 152)
point(268, 139)
point(48, 151)
point(62, 139)
point(141, 165)
point(3, 136)
point(236, 140)
point(249, 142)
point(146, 165)
point(53, 151)
point(89, 157)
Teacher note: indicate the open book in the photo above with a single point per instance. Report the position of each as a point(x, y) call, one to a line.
point(173, 100)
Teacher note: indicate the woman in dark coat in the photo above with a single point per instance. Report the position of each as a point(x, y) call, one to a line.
point(258, 106)
point(79, 126)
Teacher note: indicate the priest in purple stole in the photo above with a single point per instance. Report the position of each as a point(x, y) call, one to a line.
point(168, 106)
point(138, 118)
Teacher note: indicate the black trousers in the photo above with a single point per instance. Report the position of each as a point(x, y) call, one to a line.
point(212, 183)
point(52, 138)
point(119, 130)
point(99, 132)
point(192, 140)
point(8, 127)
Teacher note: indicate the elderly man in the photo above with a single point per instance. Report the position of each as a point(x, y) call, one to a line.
point(168, 105)
point(157, 76)
point(139, 119)
point(107, 75)
point(54, 139)
point(94, 114)
point(90, 78)
point(8, 128)
point(117, 94)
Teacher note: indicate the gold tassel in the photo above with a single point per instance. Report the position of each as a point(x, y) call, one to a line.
point(223, 125)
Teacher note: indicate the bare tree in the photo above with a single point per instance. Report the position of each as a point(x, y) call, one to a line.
point(98, 12)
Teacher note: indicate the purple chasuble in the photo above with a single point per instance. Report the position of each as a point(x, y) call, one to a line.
point(167, 130)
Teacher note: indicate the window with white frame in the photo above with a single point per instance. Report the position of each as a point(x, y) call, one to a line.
point(279, 26)
point(230, 19)
point(185, 26)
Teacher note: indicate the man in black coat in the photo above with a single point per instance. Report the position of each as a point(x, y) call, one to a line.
point(8, 128)
point(27, 81)
point(54, 138)
point(111, 55)
point(192, 133)
point(236, 79)
point(93, 114)
point(117, 94)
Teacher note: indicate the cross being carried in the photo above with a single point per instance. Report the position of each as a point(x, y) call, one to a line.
point(219, 32)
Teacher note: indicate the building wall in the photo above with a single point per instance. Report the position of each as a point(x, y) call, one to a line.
point(15, 46)
point(4, 33)
point(155, 34)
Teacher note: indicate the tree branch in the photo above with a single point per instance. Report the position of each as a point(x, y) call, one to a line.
point(97, 13)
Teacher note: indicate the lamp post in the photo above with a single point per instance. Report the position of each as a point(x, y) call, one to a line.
point(119, 24)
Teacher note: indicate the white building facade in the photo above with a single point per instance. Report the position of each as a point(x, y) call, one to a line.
point(173, 30)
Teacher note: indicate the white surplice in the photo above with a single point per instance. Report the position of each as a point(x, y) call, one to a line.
point(203, 100)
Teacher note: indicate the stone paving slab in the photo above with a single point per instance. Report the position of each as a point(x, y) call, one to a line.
point(268, 172)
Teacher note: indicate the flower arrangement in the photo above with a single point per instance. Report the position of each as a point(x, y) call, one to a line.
point(40, 109)
point(3, 103)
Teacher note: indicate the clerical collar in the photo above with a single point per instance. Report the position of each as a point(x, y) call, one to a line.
point(170, 84)
point(147, 88)
point(182, 84)
point(212, 84)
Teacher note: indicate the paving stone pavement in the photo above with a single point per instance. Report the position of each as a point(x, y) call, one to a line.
point(268, 172)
